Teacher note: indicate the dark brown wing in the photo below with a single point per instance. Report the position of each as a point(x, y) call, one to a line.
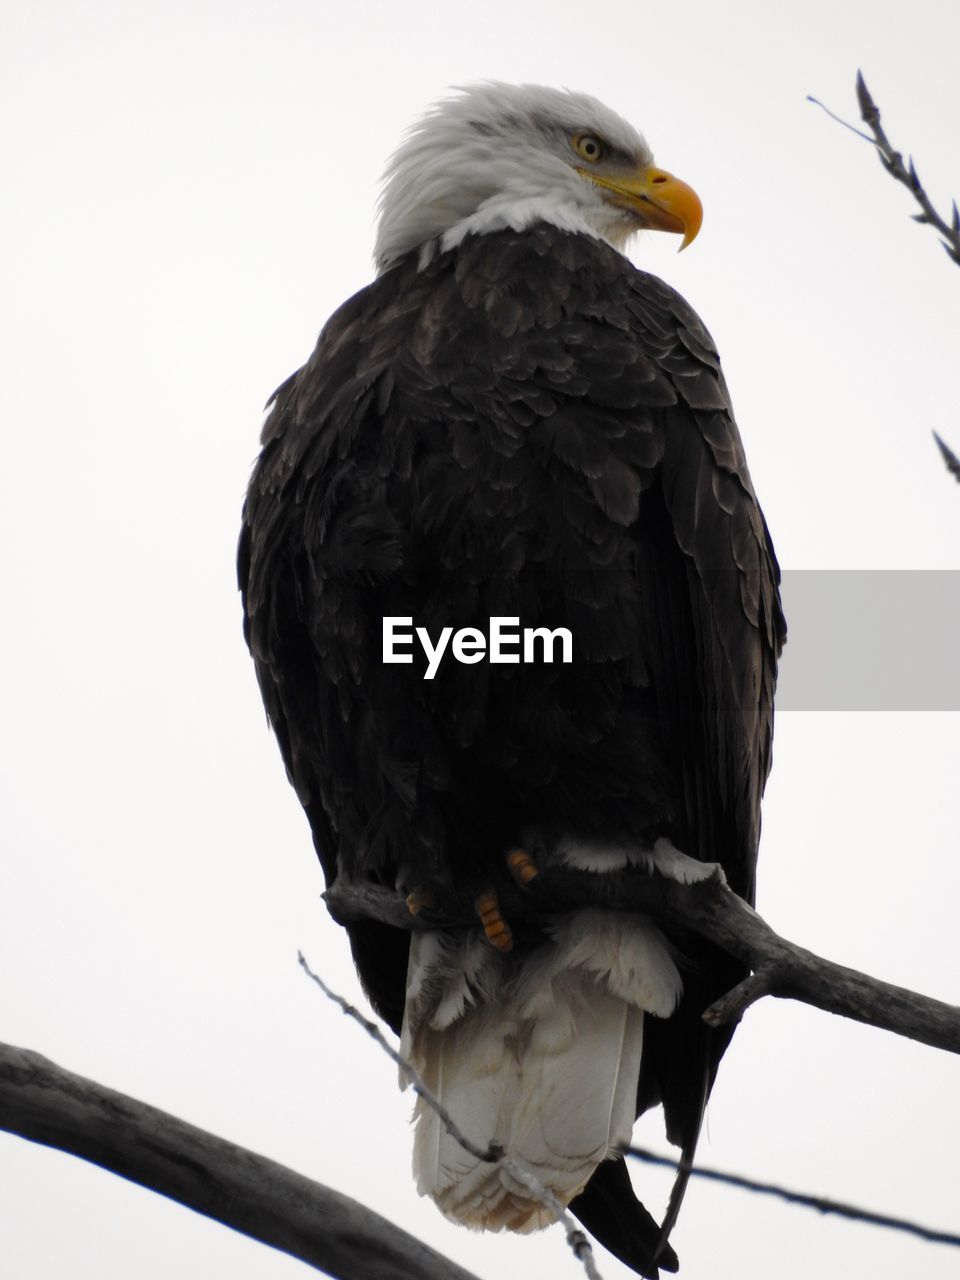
point(715, 669)
point(528, 427)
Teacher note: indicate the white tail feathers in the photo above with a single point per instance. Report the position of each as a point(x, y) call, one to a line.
point(540, 1054)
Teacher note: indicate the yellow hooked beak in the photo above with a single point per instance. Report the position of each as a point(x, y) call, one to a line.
point(656, 198)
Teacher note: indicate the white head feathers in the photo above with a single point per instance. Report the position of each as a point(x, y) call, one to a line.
point(495, 156)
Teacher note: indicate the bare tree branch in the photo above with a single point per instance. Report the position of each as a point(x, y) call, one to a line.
point(709, 908)
point(492, 1153)
point(44, 1103)
point(892, 161)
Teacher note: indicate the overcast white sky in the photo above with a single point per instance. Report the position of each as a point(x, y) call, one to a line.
point(188, 193)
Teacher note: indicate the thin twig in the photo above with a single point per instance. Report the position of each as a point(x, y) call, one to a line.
point(949, 457)
point(892, 161)
point(576, 1239)
point(819, 1203)
point(489, 1154)
point(493, 1153)
point(839, 119)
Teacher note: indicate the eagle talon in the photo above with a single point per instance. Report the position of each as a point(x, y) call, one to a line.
point(420, 899)
point(522, 867)
point(495, 928)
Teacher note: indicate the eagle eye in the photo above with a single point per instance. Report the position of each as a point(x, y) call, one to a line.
point(588, 147)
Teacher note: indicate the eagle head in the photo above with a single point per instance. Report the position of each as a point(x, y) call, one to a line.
point(497, 155)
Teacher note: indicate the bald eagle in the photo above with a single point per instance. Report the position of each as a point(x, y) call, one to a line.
point(513, 432)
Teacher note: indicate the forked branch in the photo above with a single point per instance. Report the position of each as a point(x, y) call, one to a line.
point(892, 161)
point(712, 910)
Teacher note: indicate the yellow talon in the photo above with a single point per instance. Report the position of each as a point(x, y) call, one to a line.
point(419, 899)
point(495, 928)
point(522, 866)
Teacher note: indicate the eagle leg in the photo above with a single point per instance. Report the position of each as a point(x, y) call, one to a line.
point(495, 928)
point(522, 867)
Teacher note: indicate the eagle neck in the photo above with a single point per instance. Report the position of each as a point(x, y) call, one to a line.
point(512, 213)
